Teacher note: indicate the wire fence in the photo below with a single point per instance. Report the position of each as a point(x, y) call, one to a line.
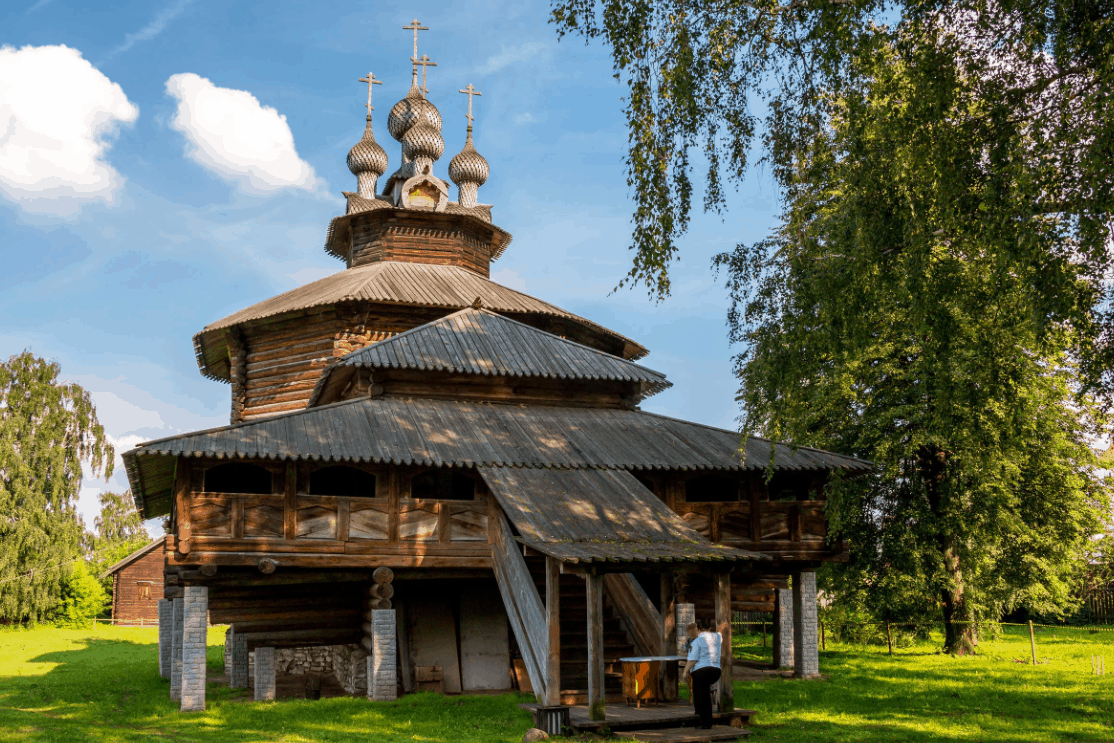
point(1044, 641)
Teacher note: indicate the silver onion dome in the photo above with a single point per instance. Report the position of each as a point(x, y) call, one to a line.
point(469, 166)
point(409, 111)
point(422, 142)
point(367, 156)
point(367, 161)
point(468, 170)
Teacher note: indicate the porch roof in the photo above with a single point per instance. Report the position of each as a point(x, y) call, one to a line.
point(595, 515)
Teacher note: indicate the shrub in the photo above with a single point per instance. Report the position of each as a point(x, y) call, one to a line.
point(83, 598)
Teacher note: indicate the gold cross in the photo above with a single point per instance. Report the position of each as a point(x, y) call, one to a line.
point(415, 26)
point(425, 63)
point(470, 91)
point(370, 80)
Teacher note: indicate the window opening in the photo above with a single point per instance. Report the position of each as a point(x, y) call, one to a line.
point(711, 489)
point(443, 484)
point(342, 480)
point(238, 477)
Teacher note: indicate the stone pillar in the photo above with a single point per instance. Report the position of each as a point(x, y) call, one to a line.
point(783, 628)
point(806, 656)
point(264, 674)
point(238, 676)
point(166, 636)
point(686, 615)
point(195, 626)
point(176, 650)
point(382, 668)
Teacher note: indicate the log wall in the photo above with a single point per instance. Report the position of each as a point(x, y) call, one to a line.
point(448, 242)
point(283, 358)
point(137, 588)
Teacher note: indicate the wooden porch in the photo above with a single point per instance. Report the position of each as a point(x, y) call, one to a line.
point(620, 718)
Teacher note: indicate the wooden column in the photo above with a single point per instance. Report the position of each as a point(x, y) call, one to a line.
point(290, 505)
point(553, 624)
point(669, 676)
point(182, 504)
point(723, 626)
point(596, 693)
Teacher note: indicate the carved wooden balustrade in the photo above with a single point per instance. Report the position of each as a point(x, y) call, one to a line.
point(240, 528)
point(791, 529)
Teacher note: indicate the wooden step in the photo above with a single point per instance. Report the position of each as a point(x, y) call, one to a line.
point(684, 735)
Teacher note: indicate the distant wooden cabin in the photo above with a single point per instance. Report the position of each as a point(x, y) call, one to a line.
point(137, 584)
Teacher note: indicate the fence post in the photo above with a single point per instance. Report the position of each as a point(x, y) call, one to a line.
point(1033, 642)
point(823, 643)
point(889, 642)
point(763, 634)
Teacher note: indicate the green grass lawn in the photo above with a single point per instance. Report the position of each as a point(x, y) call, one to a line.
point(103, 685)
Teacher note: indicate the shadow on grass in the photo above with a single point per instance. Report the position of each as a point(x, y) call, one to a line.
point(110, 690)
point(934, 697)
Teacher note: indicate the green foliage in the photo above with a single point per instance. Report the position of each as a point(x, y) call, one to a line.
point(118, 521)
point(47, 429)
point(891, 318)
point(119, 532)
point(707, 78)
point(83, 598)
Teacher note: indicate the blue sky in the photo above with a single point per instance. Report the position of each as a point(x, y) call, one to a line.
point(165, 163)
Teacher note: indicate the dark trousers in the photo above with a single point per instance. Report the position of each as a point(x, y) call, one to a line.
point(702, 681)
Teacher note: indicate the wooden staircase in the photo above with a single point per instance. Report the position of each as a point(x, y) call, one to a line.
point(574, 638)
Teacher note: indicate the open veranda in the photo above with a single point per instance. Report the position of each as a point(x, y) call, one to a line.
point(103, 685)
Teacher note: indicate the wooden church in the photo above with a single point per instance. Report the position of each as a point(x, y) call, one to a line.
point(457, 477)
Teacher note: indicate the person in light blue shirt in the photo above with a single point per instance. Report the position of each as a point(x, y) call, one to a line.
point(702, 670)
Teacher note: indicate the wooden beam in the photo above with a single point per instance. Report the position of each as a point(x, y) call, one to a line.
point(290, 502)
point(669, 637)
point(596, 693)
point(295, 560)
point(723, 626)
point(553, 624)
point(182, 504)
point(520, 598)
point(627, 596)
point(403, 635)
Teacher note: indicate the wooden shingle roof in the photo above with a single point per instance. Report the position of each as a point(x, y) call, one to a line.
point(413, 284)
point(590, 515)
point(144, 550)
point(399, 430)
point(478, 341)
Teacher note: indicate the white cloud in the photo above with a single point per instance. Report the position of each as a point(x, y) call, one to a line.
point(524, 118)
point(57, 113)
point(37, 6)
point(152, 29)
point(230, 132)
point(527, 52)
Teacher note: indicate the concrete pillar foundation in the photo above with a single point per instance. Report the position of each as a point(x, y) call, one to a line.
point(783, 628)
point(806, 655)
point(686, 615)
point(238, 675)
point(195, 623)
point(382, 668)
point(166, 637)
point(177, 609)
point(264, 674)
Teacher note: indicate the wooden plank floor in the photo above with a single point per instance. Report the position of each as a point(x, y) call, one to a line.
point(684, 735)
point(666, 715)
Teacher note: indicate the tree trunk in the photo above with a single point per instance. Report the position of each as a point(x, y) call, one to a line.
point(959, 635)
